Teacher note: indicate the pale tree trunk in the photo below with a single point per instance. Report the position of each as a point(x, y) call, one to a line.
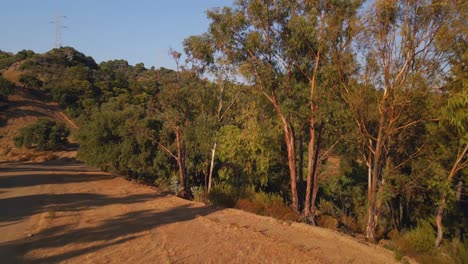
point(290, 145)
point(315, 188)
point(180, 162)
point(380, 192)
point(316, 170)
point(300, 170)
point(289, 137)
point(440, 210)
point(379, 203)
point(210, 176)
point(374, 177)
point(311, 160)
point(310, 172)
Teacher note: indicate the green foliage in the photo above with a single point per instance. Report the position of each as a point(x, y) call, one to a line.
point(199, 194)
point(175, 186)
point(45, 134)
point(6, 88)
point(8, 59)
point(30, 80)
point(223, 195)
point(418, 243)
point(419, 240)
point(116, 138)
point(457, 250)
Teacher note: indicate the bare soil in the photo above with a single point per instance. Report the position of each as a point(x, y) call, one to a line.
point(64, 211)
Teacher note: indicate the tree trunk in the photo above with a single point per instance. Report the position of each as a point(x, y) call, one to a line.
point(379, 203)
point(458, 197)
point(289, 137)
point(315, 171)
point(312, 151)
point(210, 176)
point(400, 222)
point(315, 189)
point(439, 215)
point(180, 162)
point(300, 171)
point(375, 173)
point(440, 210)
point(310, 168)
point(290, 141)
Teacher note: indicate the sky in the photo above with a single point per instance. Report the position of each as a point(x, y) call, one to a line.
point(136, 31)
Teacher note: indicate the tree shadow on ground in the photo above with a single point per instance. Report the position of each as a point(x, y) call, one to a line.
point(109, 232)
point(18, 208)
point(57, 165)
point(27, 180)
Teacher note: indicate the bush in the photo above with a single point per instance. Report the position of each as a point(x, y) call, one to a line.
point(268, 205)
point(457, 251)
point(175, 186)
point(223, 195)
point(30, 81)
point(45, 134)
point(162, 183)
point(327, 221)
point(199, 194)
point(419, 244)
point(422, 238)
point(6, 88)
point(327, 208)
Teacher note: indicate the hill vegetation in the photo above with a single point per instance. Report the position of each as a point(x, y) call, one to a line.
point(325, 113)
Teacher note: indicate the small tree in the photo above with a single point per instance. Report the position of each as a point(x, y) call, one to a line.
point(45, 134)
point(6, 88)
point(30, 80)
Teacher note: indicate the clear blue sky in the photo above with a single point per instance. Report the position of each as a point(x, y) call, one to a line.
point(137, 31)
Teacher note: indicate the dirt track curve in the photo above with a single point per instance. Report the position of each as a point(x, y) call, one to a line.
point(63, 211)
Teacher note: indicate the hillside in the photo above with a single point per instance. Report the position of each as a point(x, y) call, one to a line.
point(275, 146)
point(56, 209)
point(63, 211)
point(25, 107)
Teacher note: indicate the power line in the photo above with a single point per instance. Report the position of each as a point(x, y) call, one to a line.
point(58, 30)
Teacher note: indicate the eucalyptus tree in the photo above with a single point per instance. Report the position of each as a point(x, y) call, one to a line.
point(224, 91)
point(173, 111)
point(452, 140)
point(280, 47)
point(399, 61)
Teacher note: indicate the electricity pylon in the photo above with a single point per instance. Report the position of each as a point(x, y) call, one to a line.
point(58, 30)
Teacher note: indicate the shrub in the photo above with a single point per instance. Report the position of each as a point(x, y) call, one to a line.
point(6, 88)
point(422, 238)
point(350, 224)
point(199, 194)
point(266, 204)
point(45, 134)
point(327, 208)
point(175, 186)
point(457, 251)
point(30, 80)
point(162, 183)
point(223, 195)
point(327, 221)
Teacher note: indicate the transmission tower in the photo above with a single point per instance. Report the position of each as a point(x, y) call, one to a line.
point(58, 30)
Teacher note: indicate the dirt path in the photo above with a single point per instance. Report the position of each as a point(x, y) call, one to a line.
point(64, 211)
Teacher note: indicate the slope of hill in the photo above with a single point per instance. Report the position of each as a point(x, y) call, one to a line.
point(25, 107)
point(63, 211)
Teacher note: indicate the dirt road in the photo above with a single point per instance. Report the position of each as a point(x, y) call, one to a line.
point(63, 211)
